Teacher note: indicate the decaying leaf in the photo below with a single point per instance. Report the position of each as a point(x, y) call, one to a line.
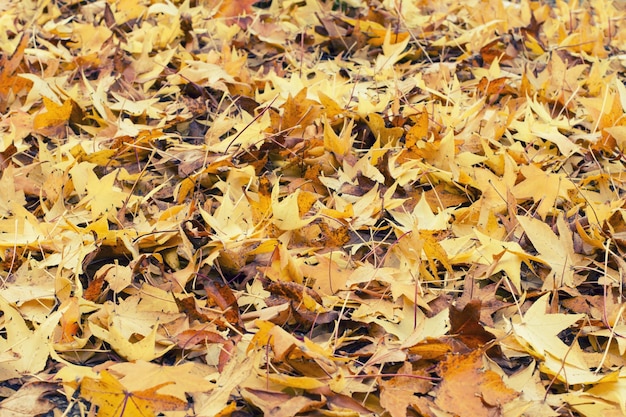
point(29, 400)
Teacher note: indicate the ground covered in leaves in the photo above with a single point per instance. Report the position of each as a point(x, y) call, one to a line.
point(323, 208)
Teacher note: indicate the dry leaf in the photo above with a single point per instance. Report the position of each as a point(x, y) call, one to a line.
point(484, 396)
point(349, 192)
point(114, 400)
point(28, 401)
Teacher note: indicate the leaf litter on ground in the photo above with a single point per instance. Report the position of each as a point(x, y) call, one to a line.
point(237, 208)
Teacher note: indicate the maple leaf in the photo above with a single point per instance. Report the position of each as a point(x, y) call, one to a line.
point(176, 381)
point(11, 195)
point(53, 121)
point(179, 177)
point(484, 397)
point(502, 256)
point(553, 187)
point(339, 144)
point(25, 350)
point(494, 189)
point(611, 388)
point(398, 393)
point(540, 330)
point(114, 400)
point(555, 251)
point(237, 370)
point(118, 276)
point(298, 113)
point(100, 194)
point(131, 327)
point(232, 8)
point(464, 324)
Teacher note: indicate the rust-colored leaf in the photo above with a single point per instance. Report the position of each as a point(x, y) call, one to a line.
point(464, 325)
point(220, 295)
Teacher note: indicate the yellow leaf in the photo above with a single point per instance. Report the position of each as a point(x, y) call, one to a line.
point(386, 135)
point(23, 351)
point(118, 276)
point(377, 32)
point(540, 330)
point(114, 400)
point(301, 382)
point(419, 131)
point(553, 187)
point(54, 119)
point(330, 107)
point(145, 349)
point(176, 380)
point(287, 213)
point(555, 251)
point(340, 144)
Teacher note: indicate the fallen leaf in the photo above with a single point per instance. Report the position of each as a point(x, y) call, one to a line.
point(486, 394)
point(398, 393)
point(53, 122)
point(539, 330)
point(280, 405)
point(28, 401)
point(28, 349)
point(465, 326)
point(176, 381)
point(555, 251)
point(114, 400)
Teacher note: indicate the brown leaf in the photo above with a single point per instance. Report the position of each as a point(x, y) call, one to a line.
point(465, 326)
point(301, 299)
point(95, 288)
point(195, 232)
point(222, 296)
point(298, 113)
point(277, 404)
point(290, 290)
point(189, 307)
point(28, 401)
point(190, 338)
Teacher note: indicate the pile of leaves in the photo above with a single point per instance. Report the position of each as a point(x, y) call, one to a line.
point(312, 207)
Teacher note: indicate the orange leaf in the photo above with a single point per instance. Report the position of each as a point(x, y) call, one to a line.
point(419, 131)
point(10, 81)
point(234, 8)
point(466, 390)
point(298, 113)
point(397, 394)
point(53, 121)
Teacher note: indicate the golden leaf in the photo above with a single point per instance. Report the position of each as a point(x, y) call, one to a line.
point(114, 400)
